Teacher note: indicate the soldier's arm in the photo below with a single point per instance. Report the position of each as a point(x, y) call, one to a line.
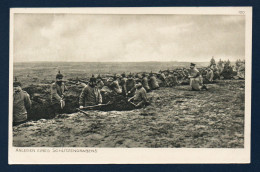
point(65, 88)
point(211, 75)
point(144, 96)
point(82, 96)
point(54, 93)
point(132, 89)
point(27, 101)
point(99, 97)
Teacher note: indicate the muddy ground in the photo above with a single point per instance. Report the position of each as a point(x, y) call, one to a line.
point(177, 117)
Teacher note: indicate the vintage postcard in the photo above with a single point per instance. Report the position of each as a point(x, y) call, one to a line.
point(130, 85)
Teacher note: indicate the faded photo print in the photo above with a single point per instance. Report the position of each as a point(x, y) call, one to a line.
point(128, 80)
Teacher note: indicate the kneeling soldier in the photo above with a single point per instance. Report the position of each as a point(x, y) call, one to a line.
point(140, 97)
point(90, 94)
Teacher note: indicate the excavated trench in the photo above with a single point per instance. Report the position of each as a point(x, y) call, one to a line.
point(41, 105)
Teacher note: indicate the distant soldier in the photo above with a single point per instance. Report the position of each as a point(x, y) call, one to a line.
point(215, 70)
point(57, 94)
point(153, 82)
point(227, 72)
point(175, 79)
point(209, 75)
point(115, 85)
point(100, 83)
point(140, 97)
point(90, 94)
point(162, 77)
point(123, 84)
point(130, 85)
point(195, 79)
point(145, 83)
point(241, 71)
point(21, 104)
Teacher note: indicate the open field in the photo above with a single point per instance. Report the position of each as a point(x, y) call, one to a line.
point(177, 117)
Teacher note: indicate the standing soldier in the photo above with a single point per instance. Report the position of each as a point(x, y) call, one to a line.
point(90, 94)
point(21, 104)
point(195, 79)
point(57, 94)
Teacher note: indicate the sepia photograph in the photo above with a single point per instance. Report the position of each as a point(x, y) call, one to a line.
point(96, 80)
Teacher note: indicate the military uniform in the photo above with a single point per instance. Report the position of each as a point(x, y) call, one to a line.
point(195, 80)
point(57, 94)
point(90, 96)
point(21, 104)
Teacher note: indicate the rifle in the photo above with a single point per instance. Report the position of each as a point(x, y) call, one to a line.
point(94, 106)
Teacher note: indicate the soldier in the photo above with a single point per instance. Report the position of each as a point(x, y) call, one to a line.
point(100, 83)
point(123, 84)
point(153, 82)
point(215, 72)
point(115, 85)
point(57, 94)
point(195, 79)
point(140, 97)
point(90, 94)
point(145, 83)
point(162, 77)
point(130, 85)
point(209, 75)
point(227, 72)
point(21, 104)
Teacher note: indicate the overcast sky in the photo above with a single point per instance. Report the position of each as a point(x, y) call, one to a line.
point(82, 37)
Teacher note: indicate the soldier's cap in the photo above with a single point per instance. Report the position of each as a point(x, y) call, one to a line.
point(16, 84)
point(123, 74)
point(192, 64)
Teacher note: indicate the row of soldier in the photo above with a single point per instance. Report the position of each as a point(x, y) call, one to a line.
point(132, 87)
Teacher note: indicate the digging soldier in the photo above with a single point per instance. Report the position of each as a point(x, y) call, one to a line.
point(90, 94)
point(140, 97)
point(196, 83)
point(57, 94)
point(21, 104)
